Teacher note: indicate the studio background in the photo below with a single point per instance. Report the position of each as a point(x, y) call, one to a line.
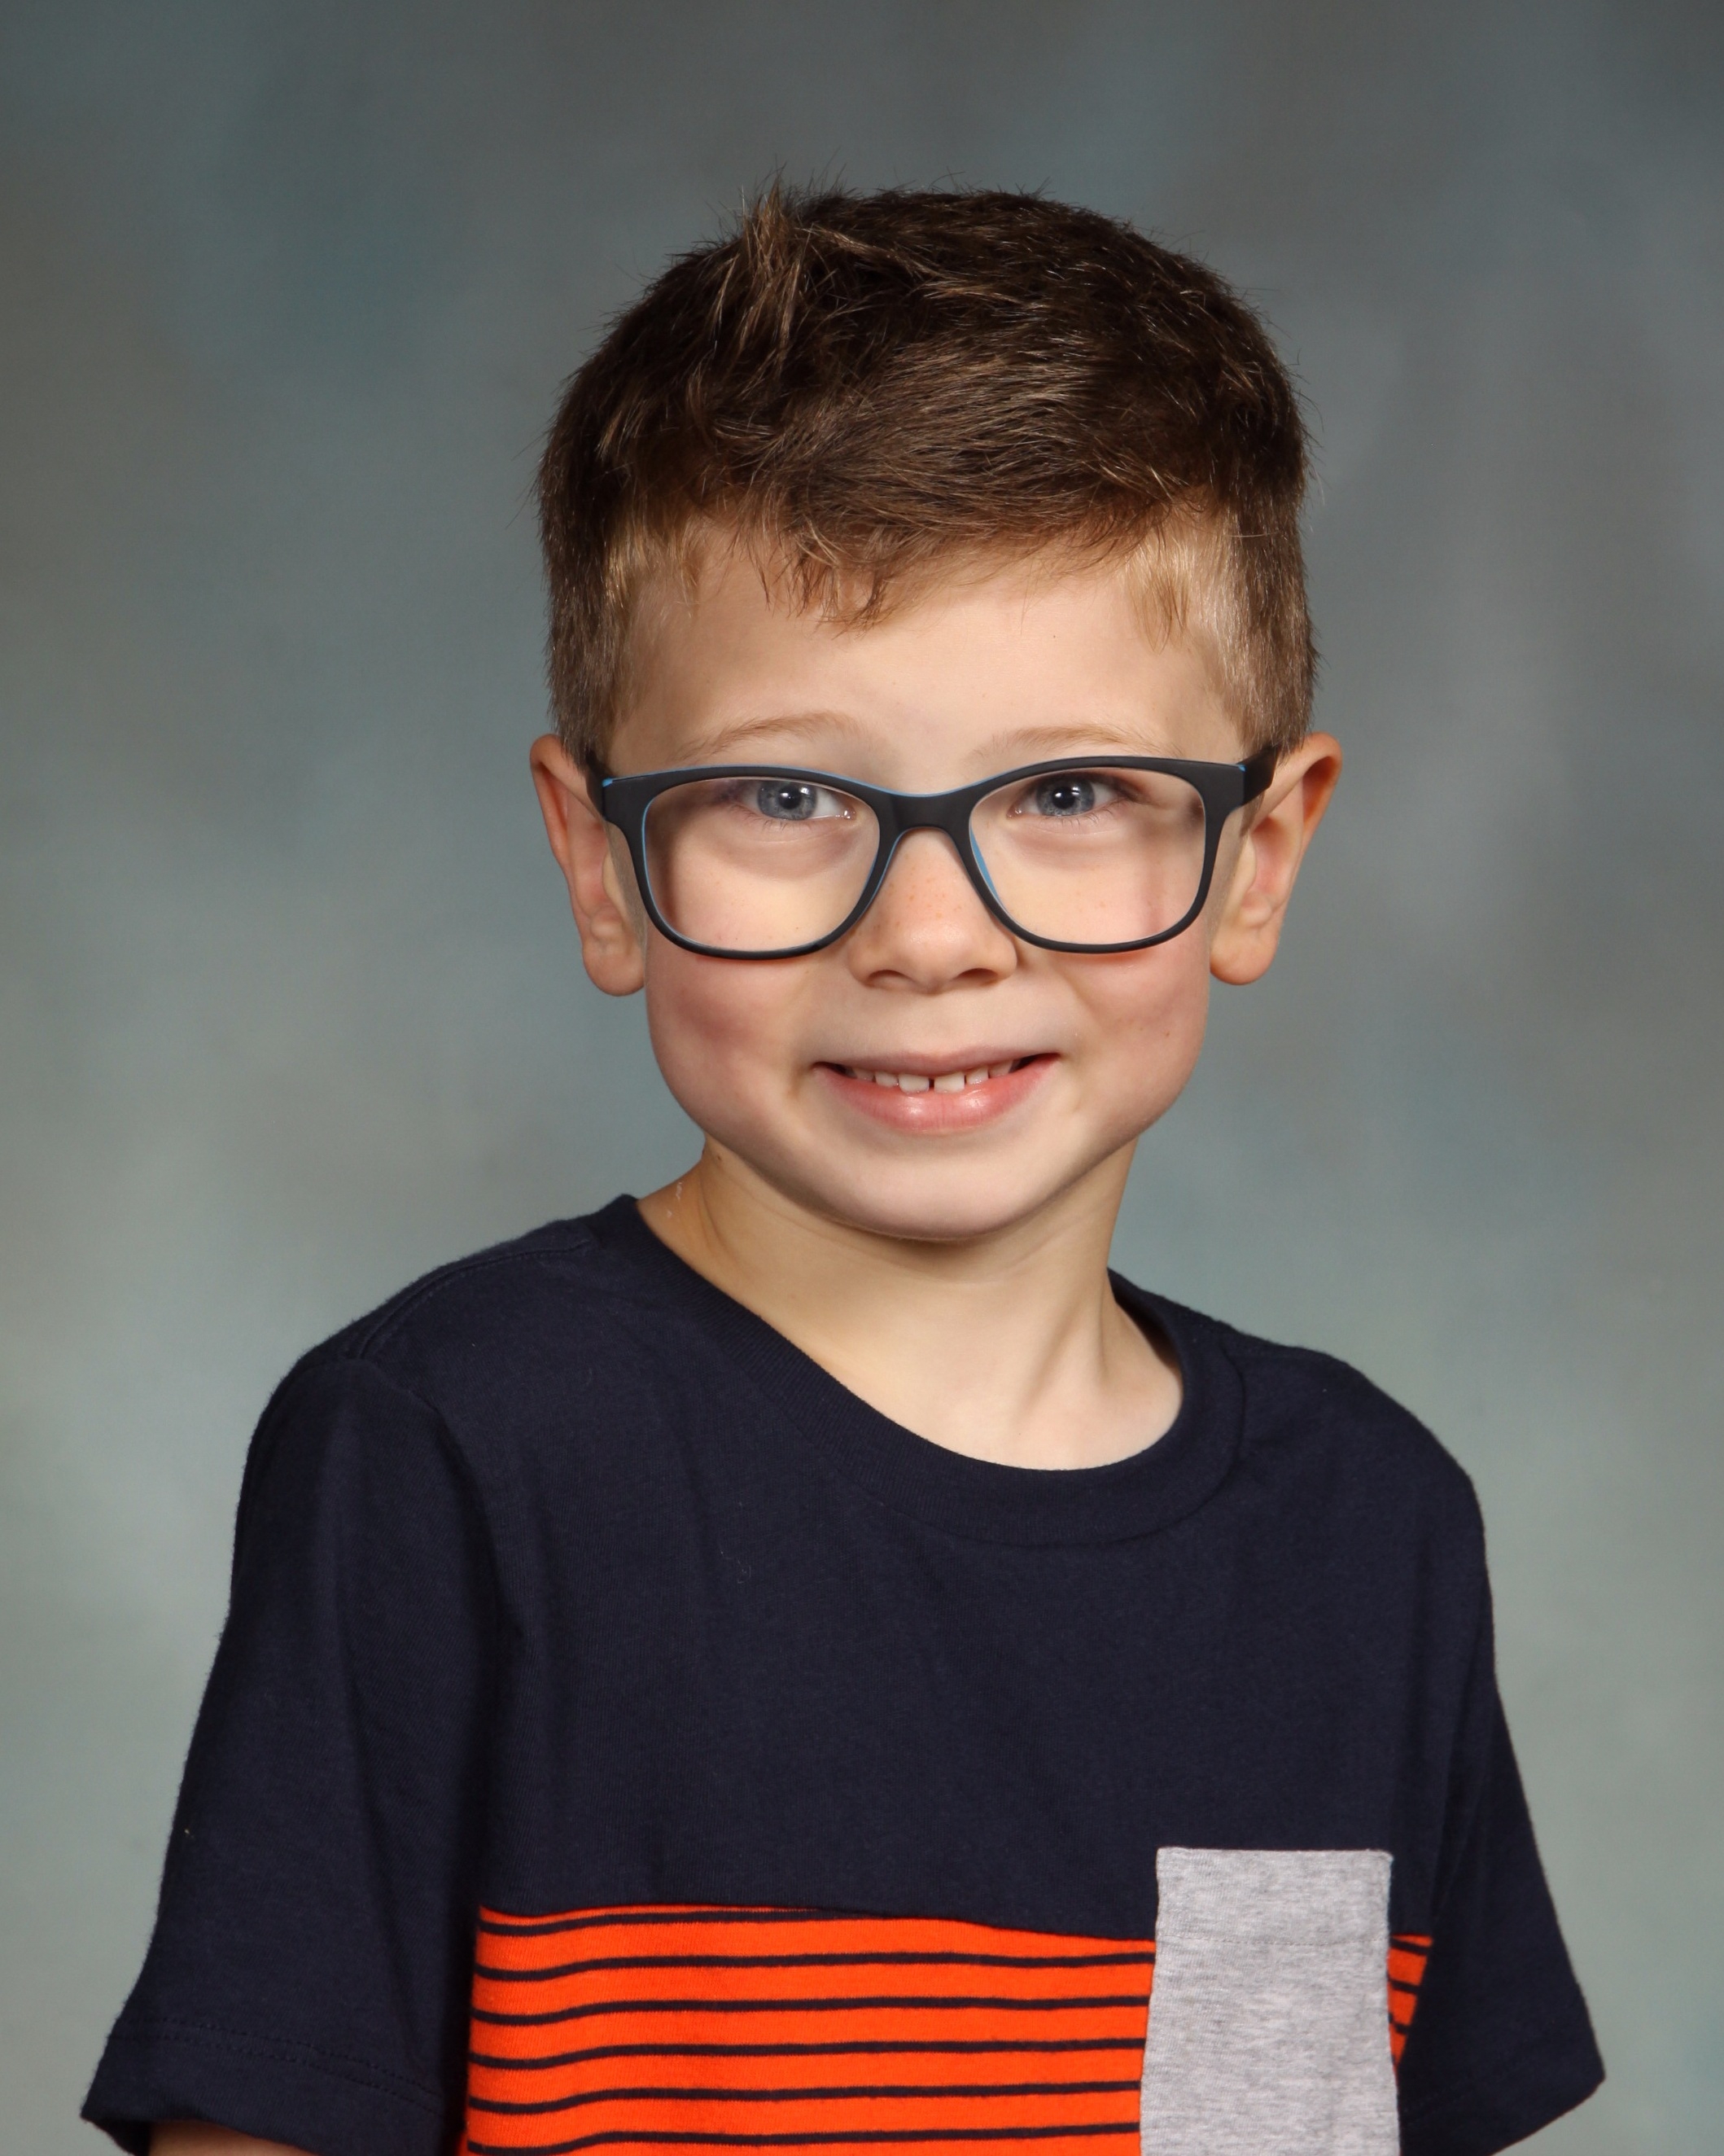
point(291, 1008)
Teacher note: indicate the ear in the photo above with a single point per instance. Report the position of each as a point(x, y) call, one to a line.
point(602, 895)
point(1248, 926)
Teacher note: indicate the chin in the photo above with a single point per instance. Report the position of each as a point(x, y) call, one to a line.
point(928, 1209)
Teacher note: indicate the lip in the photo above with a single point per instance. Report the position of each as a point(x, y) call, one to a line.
point(934, 1114)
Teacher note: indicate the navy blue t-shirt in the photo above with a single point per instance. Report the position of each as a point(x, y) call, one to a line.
point(622, 1736)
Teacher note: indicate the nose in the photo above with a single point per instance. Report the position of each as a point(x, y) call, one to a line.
point(927, 929)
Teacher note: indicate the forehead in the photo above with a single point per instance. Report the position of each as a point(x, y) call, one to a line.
point(991, 664)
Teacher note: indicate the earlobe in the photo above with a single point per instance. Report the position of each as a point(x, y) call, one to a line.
point(611, 939)
point(1248, 928)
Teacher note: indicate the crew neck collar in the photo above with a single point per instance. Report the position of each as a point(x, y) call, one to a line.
point(977, 1500)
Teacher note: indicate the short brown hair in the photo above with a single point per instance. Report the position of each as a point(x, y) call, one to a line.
point(863, 386)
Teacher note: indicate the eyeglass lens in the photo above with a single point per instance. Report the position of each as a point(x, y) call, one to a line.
point(748, 863)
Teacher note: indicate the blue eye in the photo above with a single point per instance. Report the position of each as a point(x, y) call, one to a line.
point(1070, 794)
point(798, 801)
point(785, 800)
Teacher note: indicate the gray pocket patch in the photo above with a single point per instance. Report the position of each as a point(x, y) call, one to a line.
point(1268, 2022)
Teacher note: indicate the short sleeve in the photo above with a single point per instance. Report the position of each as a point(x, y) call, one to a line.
point(1500, 2042)
point(307, 1978)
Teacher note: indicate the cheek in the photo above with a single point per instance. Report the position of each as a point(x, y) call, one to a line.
point(1146, 1014)
point(711, 1019)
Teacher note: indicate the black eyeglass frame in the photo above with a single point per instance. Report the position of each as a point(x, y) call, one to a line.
point(1223, 788)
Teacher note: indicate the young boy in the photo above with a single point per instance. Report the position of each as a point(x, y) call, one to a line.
point(812, 1659)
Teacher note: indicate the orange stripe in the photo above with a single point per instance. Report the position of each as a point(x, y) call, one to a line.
point(937, 2071)
point(1408, 1954)
point(794, 1934)
point(835, 2110)
point(484, 2133)
point(702, 2026)
point(853, 2024)
point(832, 1988)
point(1056, 2140)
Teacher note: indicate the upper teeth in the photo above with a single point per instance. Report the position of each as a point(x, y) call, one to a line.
point(948, 1081)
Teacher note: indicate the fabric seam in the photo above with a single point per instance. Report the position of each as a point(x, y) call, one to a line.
point(410, 1298)
point(788, 1420)
point(210, 2036)
point(1449, 2108)
point(830, 1456)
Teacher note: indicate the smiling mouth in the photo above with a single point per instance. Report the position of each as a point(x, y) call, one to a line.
point(942, 1081)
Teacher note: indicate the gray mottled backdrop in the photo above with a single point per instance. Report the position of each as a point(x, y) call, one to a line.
point(291, 1008)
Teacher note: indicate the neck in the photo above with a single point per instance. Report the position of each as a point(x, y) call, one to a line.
point(1008, 1347)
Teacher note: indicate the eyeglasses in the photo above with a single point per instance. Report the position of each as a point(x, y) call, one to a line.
point(1081, 853)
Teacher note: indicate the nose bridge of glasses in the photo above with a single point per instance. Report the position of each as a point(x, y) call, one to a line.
point(910, 816)
point(949, 813)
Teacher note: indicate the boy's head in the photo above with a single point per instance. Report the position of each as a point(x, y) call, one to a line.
point(914, 490)
point(868, 389)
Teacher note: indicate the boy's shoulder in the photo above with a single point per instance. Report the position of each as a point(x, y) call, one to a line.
point(1312, 1425)
point(589, 1327)
point(536, 1323)
point(1292, 1389)
point(553, 1282)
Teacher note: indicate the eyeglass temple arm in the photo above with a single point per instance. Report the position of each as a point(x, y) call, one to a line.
point(1257, 771)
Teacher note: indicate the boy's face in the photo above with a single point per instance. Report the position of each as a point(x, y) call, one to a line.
point(1084, 1052)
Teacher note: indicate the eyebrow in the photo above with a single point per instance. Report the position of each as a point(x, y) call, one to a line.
point(1074, 740)
point(1015, 744)
point(706, 748)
